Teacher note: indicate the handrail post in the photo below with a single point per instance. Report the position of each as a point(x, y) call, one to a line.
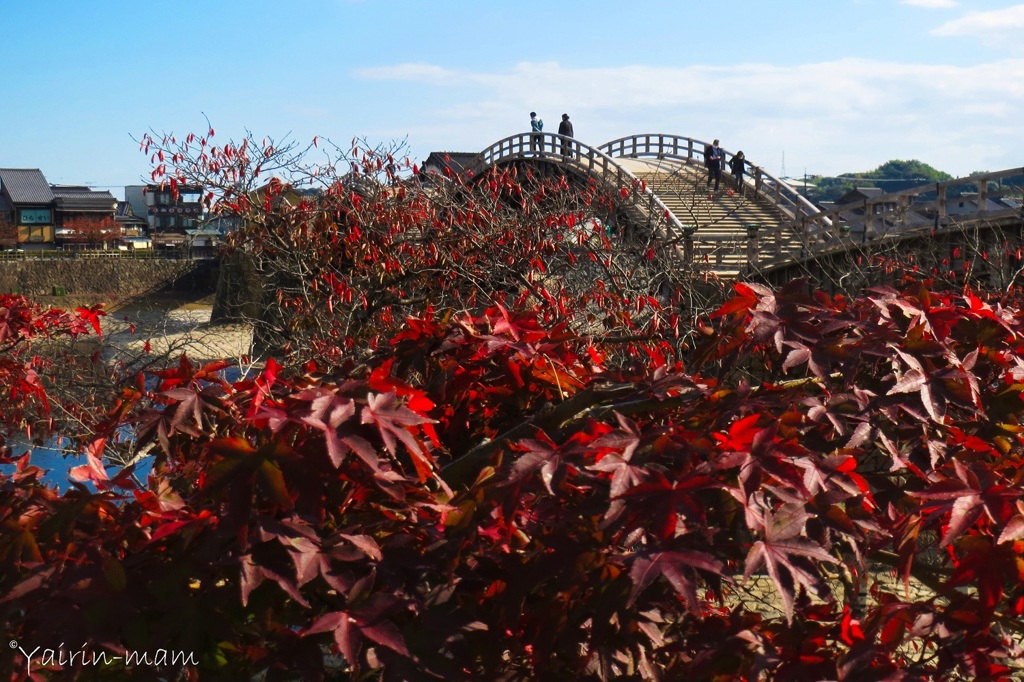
point(688, 231)
point(752, 230)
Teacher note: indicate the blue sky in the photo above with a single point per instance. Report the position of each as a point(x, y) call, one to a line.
point(823, 87)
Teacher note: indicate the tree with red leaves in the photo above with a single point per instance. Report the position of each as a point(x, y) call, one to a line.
point(91, 230)
point(8, 232)
point(484, 499)
point(28, 334)
point(347, 249)
point(810, 487)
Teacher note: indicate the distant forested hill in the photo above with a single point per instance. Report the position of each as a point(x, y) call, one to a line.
point(891, 176)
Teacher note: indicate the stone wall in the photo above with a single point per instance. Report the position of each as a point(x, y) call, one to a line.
point(120, 277)
point(240, 291)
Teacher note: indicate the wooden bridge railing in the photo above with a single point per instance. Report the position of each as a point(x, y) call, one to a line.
point(885, 215)
point(790, 203)
point(570, 152)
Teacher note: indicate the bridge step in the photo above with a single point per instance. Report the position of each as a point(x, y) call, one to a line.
point(720, 239)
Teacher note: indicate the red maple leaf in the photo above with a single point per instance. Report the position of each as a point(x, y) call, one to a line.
point(393, 419)
point(677, 566)
point(785, 553)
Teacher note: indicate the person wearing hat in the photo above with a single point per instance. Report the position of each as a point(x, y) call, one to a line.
point(565, 128)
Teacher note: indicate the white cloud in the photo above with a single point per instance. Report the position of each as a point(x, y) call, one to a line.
point(829, 117)
point(410, 72)
point(1000, 26)
point(930, 4)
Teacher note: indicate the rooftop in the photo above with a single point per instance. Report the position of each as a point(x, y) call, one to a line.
point(25, 186)
point(80, 198)
point(456, 161)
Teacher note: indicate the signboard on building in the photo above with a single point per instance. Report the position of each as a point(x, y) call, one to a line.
point(35, 216)
point(176, 210)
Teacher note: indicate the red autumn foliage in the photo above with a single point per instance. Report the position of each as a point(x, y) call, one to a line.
point(480, 461)
point(348, 250)
point(482, 500)
point(24, 402)
point(90, 230)
point(8, 231)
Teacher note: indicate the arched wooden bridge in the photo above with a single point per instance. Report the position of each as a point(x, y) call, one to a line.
point(767, 227)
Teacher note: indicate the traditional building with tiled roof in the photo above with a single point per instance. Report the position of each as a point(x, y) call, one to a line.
point(78, 199)
point(85, 217)
point(27, 208)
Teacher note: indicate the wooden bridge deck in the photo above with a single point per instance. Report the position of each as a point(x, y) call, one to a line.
point(721, 222)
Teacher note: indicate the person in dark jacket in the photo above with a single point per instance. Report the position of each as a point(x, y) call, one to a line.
point(714, 159)
point(736, 165)
point(565, 128)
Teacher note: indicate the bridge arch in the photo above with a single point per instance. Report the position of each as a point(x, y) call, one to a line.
point(790, 230)
point(574, 155)
point(663, 175)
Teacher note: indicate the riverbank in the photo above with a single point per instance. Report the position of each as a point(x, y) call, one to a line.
point(169, 325)
point(142, 329)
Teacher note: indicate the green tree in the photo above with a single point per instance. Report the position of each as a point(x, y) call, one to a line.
point(891, 176)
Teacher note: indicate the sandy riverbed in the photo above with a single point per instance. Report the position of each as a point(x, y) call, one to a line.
point(152, 332)
point(171, 326)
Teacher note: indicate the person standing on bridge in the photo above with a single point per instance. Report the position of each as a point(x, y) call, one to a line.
point(536, 133)
point(737, 167)
point(565, 128)
point(714, 160)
